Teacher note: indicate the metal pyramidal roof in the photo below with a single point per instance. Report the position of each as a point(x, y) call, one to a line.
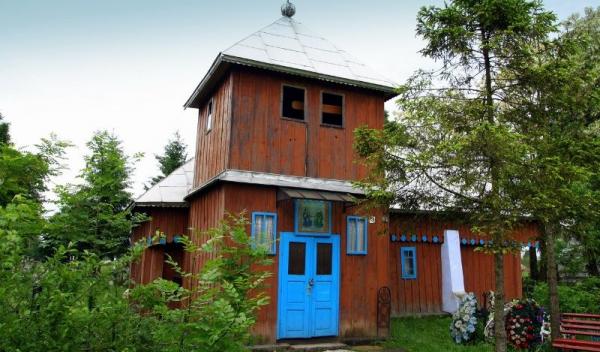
point(288, 46)
point(171, 190)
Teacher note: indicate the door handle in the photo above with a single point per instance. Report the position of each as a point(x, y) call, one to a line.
point(311, 282)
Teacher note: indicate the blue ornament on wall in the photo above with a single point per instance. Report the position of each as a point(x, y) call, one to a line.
point(463, 241)
point(403, 238)
point(424, 238)
point(413, 238)
point(436, 239)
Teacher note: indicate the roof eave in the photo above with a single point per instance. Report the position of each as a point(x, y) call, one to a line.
point(218, 66)
point(193, 101)
point(389, 91)
point(161, 205)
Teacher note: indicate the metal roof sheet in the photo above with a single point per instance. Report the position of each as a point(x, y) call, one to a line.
point(288, 46)
point(171, 190)
point(296, 193)
point(278, 180)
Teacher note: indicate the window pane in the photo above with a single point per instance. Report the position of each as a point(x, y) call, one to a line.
point(332, 109)
point(296, 261)
point(324, 258)
point(258, 230)
point(292, 104)
point(268, 231)
point(360, 236)
point(352, 235)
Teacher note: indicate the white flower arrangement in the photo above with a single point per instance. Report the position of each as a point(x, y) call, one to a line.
point(464, 320)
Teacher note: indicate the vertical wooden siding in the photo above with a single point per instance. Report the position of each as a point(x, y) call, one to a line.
point(423, 294)
point(212, 148)
point(170, 221)
point(361, 275)
point(247, 198)
point(206, 212)
point(262, 141)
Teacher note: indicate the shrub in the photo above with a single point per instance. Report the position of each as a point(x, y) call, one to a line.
point(464, 320)
point(79, 302)
point(580, 297)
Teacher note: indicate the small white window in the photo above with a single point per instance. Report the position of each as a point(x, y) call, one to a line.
point(209, 117)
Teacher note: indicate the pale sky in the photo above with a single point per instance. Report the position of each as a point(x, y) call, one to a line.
point(76, 66)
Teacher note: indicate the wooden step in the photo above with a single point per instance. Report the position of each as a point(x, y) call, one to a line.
point(316, 347)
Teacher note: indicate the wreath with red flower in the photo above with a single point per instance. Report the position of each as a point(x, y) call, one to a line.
point(524, 323)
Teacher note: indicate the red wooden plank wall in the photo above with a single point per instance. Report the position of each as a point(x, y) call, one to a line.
point(262, 141)
point(423, 294)
point(206, 212)
point(212, 148)
point(170, 221)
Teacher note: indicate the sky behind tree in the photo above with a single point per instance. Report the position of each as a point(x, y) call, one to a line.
point(76, 66)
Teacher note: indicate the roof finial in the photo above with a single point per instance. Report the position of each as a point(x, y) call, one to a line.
point(288, 9)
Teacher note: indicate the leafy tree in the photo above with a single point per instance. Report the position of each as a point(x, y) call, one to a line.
point(4, 134)
point(175, 155)
point(27, 173)
point(558, 91)
point(455, 147)
point(95, 214)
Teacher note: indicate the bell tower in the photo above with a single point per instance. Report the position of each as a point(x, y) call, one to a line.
point(285, 101)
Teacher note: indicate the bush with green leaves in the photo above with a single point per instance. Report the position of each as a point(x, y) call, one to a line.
point(582, 296)
point(77, 301)
point(221, 305)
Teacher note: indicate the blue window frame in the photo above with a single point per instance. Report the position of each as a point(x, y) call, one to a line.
point(356, 235)
point(408, 262)
point(264, 231)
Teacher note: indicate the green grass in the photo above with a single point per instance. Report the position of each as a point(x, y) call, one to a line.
point(428, 334)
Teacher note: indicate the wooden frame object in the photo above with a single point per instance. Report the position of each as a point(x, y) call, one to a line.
point(312, 217)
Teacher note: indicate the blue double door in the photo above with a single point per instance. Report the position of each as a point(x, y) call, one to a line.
point(309, 286)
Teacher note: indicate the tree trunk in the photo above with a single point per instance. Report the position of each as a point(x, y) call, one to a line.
point(551, 231)
point(592, 265)
point(533, 263)
point(543, 272)
point(499, 328)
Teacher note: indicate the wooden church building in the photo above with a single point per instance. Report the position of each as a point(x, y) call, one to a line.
point(276, 115)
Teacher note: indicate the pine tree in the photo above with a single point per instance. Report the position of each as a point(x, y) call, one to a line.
point(174, 156)
point(4, 134)
point(95, 215)
point(453, 147)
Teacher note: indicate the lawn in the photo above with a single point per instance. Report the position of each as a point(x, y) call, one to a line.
point(428, 334)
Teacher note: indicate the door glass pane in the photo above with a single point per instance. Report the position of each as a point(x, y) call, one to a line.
point(296, 261)
point(324, 258)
